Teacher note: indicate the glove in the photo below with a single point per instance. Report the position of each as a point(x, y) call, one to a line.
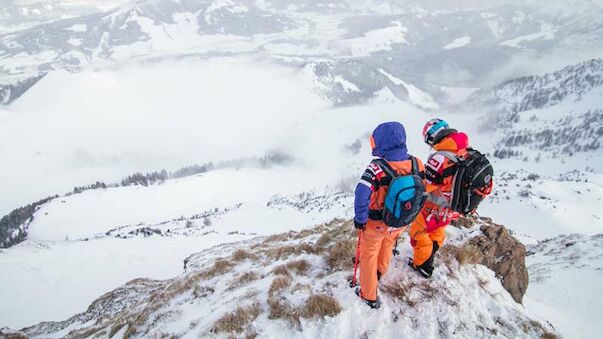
point(432, 223)
point(359, 226)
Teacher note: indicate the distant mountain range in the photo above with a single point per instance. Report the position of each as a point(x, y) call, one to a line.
point(347, 45)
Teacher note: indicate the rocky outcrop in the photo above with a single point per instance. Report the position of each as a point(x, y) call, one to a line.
point(498, 250)
point(10, 93)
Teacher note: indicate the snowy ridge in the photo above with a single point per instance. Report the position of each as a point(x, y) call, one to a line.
point(556, 115)
point(534, 92)
point(294, 284)
point(408, 40)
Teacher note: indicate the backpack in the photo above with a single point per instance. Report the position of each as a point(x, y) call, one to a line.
point(472, 181)
point(405, 195)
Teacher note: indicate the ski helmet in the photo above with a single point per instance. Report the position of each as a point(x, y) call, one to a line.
point(435, 130)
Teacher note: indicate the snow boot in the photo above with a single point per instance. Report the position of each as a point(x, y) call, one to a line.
point(424, 270)
point(374, 304)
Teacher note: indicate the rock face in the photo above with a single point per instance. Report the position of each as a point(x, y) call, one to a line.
point(502, 253)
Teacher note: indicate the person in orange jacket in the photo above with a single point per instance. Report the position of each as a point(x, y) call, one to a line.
point(388, 142)
point(427, 232)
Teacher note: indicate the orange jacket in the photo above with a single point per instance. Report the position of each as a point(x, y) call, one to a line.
point(440, 170)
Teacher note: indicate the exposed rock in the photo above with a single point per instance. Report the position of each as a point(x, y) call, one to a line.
point(502, 253)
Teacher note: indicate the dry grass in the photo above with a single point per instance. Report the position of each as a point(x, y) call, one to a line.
point(240, 255)
point(281, 309)
point(319, 306)
point(299, 266)
point(244, 279)
point(281, 270)
point(401, 291)
point(237, 320)
point(537, 326)
point(279, 284)
point(276, 238)
point(288, 250)
point(339, 256)
point(220, 267)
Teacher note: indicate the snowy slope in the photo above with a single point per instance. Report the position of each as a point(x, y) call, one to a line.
point(566, 270)
point(137, 220)
point(294, 284)
point(148, 93)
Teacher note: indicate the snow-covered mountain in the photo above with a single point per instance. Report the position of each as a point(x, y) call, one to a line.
point(350, 47)
point(274, 100)
point(295, 284)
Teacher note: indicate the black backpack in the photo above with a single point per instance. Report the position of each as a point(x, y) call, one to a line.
point(405, 195)
point(472, 181)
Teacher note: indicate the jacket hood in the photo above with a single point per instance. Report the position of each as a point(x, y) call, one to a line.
point(389, 142)
point(453, 142)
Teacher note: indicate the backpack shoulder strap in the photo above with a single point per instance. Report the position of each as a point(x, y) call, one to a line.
point(415, 166)
point(386, 167)
point(450, 155)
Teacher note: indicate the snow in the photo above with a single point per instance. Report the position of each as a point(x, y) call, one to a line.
point(77, 28)
point(62, 278)
point(62, 133)
point(565, 273)
point(415, 95)
point(74, 42)
point(460, 42)
point(547, 32)
point(456, 95)
point(171, 128)
point(375, 40)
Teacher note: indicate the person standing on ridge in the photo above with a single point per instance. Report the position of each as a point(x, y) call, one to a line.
point(449, 192)
point(388, 197)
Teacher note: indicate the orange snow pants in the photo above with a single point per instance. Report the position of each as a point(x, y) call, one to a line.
point(422, 241)
point(376, 247)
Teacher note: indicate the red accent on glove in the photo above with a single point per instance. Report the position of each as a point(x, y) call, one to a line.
point(413, 242)
point(432, 223)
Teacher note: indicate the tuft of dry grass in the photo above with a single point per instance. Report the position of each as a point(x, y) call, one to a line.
point(401, 291)
point(319, 306)
point(279, 284)
point(281, 309)
point(281, 270)
point(276, 238)
point(236, 321)
point(298, 266)
point(241, 254)
point(534, 325)
point(339, 255)
point(288, 250)
point(244, 279)
point(220, 267)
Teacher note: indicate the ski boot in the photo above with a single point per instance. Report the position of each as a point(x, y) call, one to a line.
point(374, 304)
point(424, 270)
